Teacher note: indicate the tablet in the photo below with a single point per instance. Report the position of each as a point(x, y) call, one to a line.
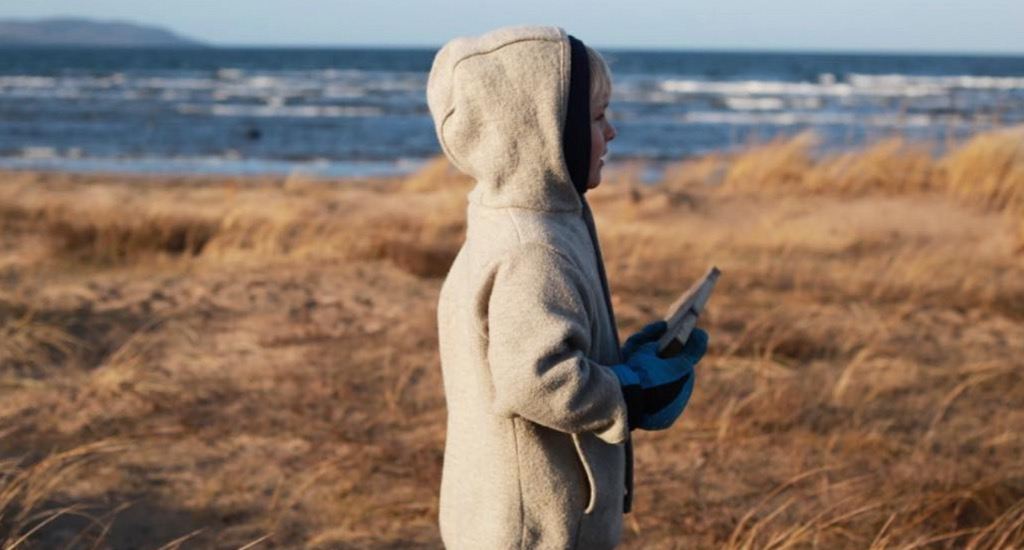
point(683, 313)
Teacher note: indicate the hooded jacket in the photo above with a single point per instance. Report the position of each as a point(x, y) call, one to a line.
point(537, 449)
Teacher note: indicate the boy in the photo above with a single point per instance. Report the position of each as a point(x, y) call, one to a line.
point(540, 397)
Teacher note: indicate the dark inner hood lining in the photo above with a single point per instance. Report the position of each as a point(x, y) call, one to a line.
point(576, 135)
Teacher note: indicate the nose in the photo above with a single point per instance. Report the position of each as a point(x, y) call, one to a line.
point(609, 132)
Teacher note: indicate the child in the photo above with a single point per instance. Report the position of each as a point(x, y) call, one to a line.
point(540, 397)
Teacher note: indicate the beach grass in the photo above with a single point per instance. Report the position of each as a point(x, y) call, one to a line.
point(229, 362)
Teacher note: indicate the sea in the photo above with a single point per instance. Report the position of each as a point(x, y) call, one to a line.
point(345, 112)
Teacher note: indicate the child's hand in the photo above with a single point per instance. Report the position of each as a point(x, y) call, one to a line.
point(657, 389)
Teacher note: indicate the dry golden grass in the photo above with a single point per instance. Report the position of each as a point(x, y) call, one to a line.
point(187, 362)
point(30, 496)
point(989, 169)
point(891, 165)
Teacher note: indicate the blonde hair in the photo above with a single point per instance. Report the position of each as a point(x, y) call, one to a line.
point(600, 77)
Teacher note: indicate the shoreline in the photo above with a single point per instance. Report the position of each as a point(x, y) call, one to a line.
point(817, 148)
point(217, 167)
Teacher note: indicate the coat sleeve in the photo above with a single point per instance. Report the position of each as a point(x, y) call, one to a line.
point(538, 331)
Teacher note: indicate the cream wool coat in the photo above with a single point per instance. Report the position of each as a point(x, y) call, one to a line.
point(535, 449)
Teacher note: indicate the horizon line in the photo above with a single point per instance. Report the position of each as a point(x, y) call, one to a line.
point(196, 42)
point(199, 44)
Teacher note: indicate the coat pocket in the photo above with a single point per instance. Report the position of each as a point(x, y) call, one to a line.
point(591, 482)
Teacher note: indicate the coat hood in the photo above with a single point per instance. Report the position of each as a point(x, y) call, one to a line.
point(499, 102)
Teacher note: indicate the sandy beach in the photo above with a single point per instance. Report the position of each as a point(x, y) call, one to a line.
point(211, 362)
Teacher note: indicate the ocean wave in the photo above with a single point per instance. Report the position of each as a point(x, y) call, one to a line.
point(890, 85)
point(967, 82)
point(753, 87)
point(277, 109)
point(406, 89)
point(259, 88)
point(744, 103)
point(27, 81)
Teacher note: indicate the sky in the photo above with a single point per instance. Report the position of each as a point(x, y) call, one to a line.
point(933, 26)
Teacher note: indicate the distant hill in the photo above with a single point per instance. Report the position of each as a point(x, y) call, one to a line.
point(69, 31)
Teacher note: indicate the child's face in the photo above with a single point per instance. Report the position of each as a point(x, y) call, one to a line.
point(601, 132)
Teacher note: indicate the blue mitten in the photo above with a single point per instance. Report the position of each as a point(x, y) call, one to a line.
point(649, 333)
point(657, 389)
